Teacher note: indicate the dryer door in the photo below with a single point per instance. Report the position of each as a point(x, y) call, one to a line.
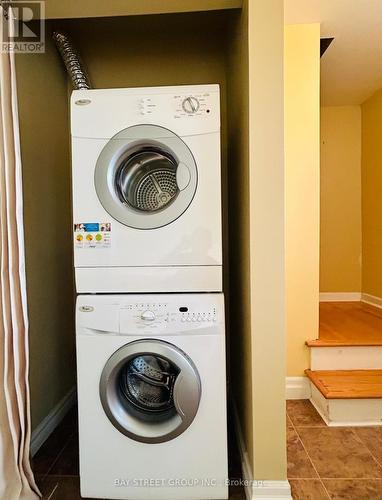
point(145, 177)
point(150, 390)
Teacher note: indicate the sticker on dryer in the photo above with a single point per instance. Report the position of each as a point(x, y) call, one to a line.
point(92, 235)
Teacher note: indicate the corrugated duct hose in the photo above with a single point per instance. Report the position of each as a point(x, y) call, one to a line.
point(80, 79)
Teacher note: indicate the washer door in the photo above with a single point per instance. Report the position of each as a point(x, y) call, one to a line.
point(150, 390)
point(145, 176)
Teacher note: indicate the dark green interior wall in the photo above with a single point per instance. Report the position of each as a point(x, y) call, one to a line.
point(43, 113)
point(139, 51)
point(167, 49)
point(240, 339)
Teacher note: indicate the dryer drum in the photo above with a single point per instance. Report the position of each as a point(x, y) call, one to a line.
point(147, 382)
point(146, 180)
point(145, 177)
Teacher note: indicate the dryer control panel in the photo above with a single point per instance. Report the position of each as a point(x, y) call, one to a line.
point(185, 109)
point(179, 105)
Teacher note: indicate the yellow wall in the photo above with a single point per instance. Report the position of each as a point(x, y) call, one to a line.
point(302, 158)
point(256, 209)
point(340, 245)
point(267, 250)
point(42, 96)
point(372, 195)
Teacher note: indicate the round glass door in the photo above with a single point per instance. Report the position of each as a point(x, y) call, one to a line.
point(145, 177)
point(150, 391)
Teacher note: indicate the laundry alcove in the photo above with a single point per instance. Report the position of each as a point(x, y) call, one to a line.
point(139, 46)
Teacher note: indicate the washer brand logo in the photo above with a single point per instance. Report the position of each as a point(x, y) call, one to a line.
point(27, 34)
point(86, 309)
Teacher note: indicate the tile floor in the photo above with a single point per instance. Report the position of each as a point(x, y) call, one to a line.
point(56, 466)
point(337, 463)
point(323, 462)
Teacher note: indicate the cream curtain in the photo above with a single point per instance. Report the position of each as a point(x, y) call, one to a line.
point(16, 478)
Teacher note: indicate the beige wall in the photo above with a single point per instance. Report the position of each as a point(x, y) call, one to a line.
point(302, 159)
point(372, 195)
point(267, 251)
point(42, 97)
point(340, 243)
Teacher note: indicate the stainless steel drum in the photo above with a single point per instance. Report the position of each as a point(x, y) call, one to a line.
point(146, 177)
point(147, 180)
point(147, 382)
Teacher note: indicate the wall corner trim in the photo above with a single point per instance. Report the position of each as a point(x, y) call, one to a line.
point(340, 296)
point(372, 300)
point(257, 490)
point(297, 388)
point(51, 421)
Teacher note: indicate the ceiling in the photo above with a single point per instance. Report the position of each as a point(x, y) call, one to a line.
point(351, 68)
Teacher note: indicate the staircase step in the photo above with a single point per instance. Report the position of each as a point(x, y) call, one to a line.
point(359, 341)
point(347, 384)
point(346, 358)
point(348, 324)
point(347, 397)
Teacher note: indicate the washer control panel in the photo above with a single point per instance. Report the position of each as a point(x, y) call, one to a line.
point(151, 314)
point(161, 316)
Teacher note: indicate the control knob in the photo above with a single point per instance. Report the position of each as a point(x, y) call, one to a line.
point(148, 316)
point(190, 104)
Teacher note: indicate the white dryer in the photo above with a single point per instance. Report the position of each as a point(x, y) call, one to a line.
point(147, 189)
point(152, 396)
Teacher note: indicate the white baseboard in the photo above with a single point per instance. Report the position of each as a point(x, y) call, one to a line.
point(245, 465)
point(297, 388)
point(340, 296)
point(51, 421)
point(257, 490)
point(271, 490)
point(372, 300)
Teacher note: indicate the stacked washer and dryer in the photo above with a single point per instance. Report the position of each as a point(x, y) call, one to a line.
point(150, 311)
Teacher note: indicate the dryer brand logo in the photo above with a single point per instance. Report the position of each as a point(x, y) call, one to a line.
point(26, 33)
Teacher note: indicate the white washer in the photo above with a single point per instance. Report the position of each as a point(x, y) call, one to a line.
point(152, 396)
point(147, 189)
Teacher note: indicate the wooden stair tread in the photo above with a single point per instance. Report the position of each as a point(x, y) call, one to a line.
point(348, 324)
point(347, 384)
point(342, 343)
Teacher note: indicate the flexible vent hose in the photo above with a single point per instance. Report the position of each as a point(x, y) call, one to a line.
point(71, 60)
